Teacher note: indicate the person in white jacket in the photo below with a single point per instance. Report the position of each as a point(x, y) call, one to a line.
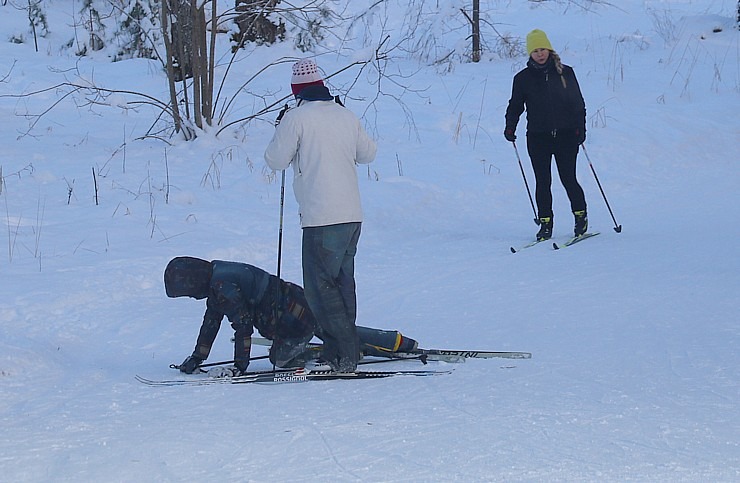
point(324, 142)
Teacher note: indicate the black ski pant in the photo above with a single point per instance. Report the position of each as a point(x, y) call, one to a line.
point(562, 144)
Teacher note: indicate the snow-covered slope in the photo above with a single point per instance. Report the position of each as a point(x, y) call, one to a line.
point(635, 340)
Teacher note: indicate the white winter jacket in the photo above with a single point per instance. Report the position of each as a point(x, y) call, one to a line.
point(323, 141)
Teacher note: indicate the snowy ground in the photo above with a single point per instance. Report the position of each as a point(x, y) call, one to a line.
point(635, 339)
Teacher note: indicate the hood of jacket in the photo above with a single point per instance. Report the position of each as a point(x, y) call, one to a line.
point(188, 277)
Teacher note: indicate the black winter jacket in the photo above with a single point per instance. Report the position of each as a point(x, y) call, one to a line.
point(553, 101)
point(247, 295)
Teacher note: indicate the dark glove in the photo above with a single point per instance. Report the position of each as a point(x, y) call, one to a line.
point(241, 366)
point(580, 135)
point(190, 364)
point(509, 135)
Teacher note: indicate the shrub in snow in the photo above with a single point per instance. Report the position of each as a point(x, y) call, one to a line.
point(138, 30)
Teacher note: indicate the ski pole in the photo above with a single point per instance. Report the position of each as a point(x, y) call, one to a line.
point(282, 205)
point(280, 234)
point(521, 168)
point(222, 363)
point(617, 227)
point(278, 298)
point(280, 230)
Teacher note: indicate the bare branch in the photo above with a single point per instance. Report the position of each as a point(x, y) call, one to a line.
point(97, 94)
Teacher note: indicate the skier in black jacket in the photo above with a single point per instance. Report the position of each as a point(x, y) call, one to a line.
point(556, 125)
point(247, 296)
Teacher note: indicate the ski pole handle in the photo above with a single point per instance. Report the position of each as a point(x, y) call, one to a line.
point(281, 114)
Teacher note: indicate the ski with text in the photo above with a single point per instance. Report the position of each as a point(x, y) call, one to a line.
point(442, 355)
point(282, 376)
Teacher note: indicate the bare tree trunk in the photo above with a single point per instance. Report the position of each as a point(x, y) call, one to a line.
point(203, 65)
point(476, 30)
point(183, 37)
point(190, 60)
point(212, 63)
point(197, 32)
point(170, 69)
point(475, 25)
point(33, 25)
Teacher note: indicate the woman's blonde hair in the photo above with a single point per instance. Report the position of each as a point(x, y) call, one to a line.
point(559, 67)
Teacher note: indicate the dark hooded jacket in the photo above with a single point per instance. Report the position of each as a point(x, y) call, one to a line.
point(553, 101)
point(247, 296)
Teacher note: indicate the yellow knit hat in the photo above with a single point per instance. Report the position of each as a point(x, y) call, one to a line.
point(537, 39)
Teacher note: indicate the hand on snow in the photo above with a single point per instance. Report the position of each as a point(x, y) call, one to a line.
point(190, 364)
point(509, 135)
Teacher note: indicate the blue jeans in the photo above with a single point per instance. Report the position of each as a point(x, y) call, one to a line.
point(329, 285)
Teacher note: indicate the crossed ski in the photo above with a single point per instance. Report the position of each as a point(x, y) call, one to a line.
point(303, 374)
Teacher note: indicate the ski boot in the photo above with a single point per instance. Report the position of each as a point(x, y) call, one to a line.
point(406, 344)
point(545, 232)
point(581, 222)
